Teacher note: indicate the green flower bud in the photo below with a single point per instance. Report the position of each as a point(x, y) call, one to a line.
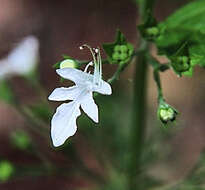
point(130, 52)
point(181, 64)
point(166, 113)
point(130, 49)
point(68, 63)
point(116, 56)
point(117, 48)
point(6, 170)
point(123, 56)
point(124, 48)
point(152, 31)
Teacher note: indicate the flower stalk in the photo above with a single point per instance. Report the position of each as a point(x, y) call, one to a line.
point(139, 104)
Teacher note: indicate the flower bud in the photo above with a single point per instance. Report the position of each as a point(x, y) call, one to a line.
point(181, 64)
point(68, 63)
point(124, 48)
point(166, 113)
point(117, 48)
point(152, 32)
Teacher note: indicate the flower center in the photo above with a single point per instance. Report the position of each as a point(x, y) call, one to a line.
point(89, 86)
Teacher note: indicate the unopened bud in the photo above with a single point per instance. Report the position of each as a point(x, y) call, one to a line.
point(166, 113)
point(181, 63)
point(68, 63)
point(152, 31)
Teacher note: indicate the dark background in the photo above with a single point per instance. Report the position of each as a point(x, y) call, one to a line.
point(61, 27)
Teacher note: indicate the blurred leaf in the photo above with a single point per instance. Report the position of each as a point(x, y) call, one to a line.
point(6, 170)
point(120, 51)
point(20, 140)
point(6, 93)
point(197, 54)
point(57, 65)
point(190, 17)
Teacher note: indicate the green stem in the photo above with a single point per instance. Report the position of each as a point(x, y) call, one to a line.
point(117, 73)
point(121, 68)
point(158, 83)
point(138, 121)
point(139, 104)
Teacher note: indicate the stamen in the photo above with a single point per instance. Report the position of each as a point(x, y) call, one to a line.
point(89, 64)
point(97, 63)
point(91, 50)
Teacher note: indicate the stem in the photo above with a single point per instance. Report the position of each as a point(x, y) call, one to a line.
point(158, 83)
point(138, 121)
point(117, 73)
point(139, 104)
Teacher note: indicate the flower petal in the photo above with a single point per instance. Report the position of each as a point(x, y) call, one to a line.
point(24, 57)
point(63, 123)
point(62, 94)
point(5, 69)
point(75, 75)
point(89, 107)
point(104, 88)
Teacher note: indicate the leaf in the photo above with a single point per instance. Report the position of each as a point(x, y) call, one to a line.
point(190, 17)
point(185, 26)
point(197, 54)
point(120, 51)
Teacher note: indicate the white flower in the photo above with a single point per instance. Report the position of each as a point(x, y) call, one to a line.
point(22, 59)
point(63, 123)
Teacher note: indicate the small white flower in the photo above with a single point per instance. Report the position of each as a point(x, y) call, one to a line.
point(63, 123)
point(22, 59)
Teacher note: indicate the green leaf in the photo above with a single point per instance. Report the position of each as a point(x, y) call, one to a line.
point(120, 51)
point(190, 17)
point(6, 93)
point(197, 54)
point(185, 26)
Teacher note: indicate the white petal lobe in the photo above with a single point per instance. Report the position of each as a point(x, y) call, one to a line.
point(63, 123)
point(5, 69)
point(75, 75)
point(62, 94)
point(104, 88)
point(24, 57)
point(89, 107)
